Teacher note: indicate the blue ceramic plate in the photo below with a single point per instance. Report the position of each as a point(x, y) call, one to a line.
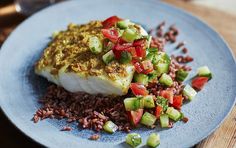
point(20, 88)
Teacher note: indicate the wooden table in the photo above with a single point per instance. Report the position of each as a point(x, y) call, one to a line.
point(225, 24)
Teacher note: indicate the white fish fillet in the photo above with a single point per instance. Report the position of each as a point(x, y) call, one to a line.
point(101, 84)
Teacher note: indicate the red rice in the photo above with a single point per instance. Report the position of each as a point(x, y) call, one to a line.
point(90, 111)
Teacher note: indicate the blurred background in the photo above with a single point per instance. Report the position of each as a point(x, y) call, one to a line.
point(12, 12)
point(220, 14)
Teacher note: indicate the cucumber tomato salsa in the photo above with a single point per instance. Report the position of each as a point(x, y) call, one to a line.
point(152, 66)
point(156, 93)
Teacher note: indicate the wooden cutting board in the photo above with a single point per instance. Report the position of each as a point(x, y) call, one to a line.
point(225, 24)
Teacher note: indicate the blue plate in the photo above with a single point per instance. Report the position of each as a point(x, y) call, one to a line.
point(20, 88)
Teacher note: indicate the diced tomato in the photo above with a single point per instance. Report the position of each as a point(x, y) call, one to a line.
point(111, 34)
point(138, 67)
point(140, 51)
point(168, 94)
point(111, 21)
point(121, 41)
point(140, 42)
point(135, 116)
point(120, 46)
point(158, 111)
point(147, 66)
point(123, 46)
point(138, 89)
point(199, 82)
point(117, 53)
point(177, 101)
point(144, 67)
point(135, 60)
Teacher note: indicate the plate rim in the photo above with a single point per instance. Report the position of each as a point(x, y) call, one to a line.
point(179, 10)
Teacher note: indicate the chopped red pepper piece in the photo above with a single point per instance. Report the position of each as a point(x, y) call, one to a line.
point(199, 82)
point(144, 67)
point(111, 34)
point(135, 116)
point(158, 111)
point(140, 51)
point(117, 53)
point(111, 21)
point(121, 41)
point(138, 67)
point(168, 94)
point(120, 46)
point(138, 89)
point(135, 60)
point(177, 101)
point(139, 42)
point(123, 46)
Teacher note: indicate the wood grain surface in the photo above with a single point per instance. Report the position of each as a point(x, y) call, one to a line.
point(225, 24)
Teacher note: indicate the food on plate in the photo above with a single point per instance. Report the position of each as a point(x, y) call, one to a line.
point(82, 58)
point(110, 127)
point(153, 140)
point(112, 75)
point(133, 139)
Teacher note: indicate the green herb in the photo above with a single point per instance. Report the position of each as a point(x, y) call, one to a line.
point(163, 102)
point(125, 58)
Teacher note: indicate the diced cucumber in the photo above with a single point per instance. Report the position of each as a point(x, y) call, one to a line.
point(204, 71)
point(124, 24)
point(139, 103)
point(162, 67)
point(130, 34)
point(161, 57)
point(152, 50)
point(164, 120)
point(182, 116)
point(153, 76)
point(133, 103)
point(108, 57)
point(153, 140)
point(149, 101)
point(163, 102)
point(189, 92)
point(166, 80)
point(149, 56)
point(181, 75)
point(129, 104)
point(148, 119)
point(95, 45)
point(141, 78)
point(173, 113)
point(133, 139)
point(125, 58)
point(166, 58)
point(110, 127)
